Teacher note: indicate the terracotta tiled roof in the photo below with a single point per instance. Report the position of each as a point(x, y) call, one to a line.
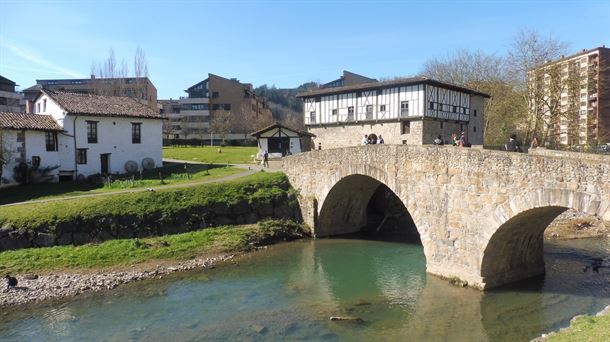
point(19, 121)
point(98, 105)
point(391, 83)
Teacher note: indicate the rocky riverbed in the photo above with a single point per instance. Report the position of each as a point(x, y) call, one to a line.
point(33, 288)
point(573, 224)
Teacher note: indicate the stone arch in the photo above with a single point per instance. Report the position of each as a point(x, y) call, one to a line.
point(514, 250)
point(346, 207)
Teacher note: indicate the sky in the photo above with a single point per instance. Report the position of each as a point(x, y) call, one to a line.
point(282, 43)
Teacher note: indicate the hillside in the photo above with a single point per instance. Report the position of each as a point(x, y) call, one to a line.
point(286, 108)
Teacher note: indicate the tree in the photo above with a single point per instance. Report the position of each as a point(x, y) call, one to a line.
point(4, 153)
point(222, 124)
point(529, 51)
point(111, 77)
point(488, 74)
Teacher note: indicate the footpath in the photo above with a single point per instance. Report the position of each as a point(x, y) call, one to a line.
point(274, 166)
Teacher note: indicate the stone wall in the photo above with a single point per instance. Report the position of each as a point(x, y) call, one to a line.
point(96, 229)
point(335, 136)
point(480, 214)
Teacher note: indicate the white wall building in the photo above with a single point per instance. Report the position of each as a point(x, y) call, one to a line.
point(404, 111)
point(101, 134)
point(279, 140)
point(28, 139)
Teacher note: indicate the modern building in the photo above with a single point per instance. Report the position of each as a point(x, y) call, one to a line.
point(404, 111)
point(140, 88)
point(9, 99)
point(102, 134)
point(28, 139)
point(216, 108)
point(279, 140)
point(570, 98)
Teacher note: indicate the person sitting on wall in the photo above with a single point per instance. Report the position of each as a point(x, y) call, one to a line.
point(380, 141)
point(438, 141)
point(365, 140)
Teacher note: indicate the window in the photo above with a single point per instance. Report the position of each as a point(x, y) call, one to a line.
point(92, 132)
point(81, 156)
point(474, 112)
point(215, 94)
point(51, 141)
point(474, 129)
point(35, 161)
point(461, 127)
point(369, 112)
point(406, 127)
point(441, 124)
point(350, 113)
point(227, 106)
point(136, 133)
point(334, 112)
point(21, 136)
point(382, 108)
point(215, 106)
point(44, 105)
point(404, 108)
point(431, 105)
point(38, 107)
point(312, 117)
point(199, 106)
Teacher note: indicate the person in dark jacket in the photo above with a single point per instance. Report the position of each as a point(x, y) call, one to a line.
point(10, 281)
point(512, 145)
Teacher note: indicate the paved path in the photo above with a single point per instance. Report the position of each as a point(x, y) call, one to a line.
point(249, 169)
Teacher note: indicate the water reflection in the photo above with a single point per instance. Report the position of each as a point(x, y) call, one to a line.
point(289, 292)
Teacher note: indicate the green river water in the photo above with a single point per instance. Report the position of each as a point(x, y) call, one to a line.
point(289, 292)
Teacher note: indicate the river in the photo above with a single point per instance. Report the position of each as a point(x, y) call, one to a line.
point(289, 291)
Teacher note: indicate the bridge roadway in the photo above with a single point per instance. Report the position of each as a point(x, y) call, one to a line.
point(480, 214)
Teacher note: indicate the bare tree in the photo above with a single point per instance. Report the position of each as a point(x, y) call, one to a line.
point(222, 124)
point(111, 77)
point(6, 154)
point(488, 74)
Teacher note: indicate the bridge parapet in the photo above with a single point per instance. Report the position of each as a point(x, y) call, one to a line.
point(461, 200)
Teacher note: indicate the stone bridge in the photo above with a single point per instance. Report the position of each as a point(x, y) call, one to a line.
point(480, 214)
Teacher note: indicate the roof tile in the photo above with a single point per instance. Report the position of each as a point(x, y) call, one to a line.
point(98, 105)
point(19, 121)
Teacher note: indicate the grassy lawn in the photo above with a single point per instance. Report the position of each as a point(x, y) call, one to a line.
point(585, 328)
point(134, 251)
point(172, 174)
point(209, 154)
point(256, 188)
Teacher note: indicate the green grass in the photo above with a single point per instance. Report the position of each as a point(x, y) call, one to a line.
point(209, 154)
point(134, 251)
point(165, 203)
point(585, 328)
point(174, 175)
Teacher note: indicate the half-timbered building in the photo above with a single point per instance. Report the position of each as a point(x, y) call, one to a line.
point(404, 111)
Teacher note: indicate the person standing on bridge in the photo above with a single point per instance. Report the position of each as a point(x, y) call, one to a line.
point(380, 140)
point(512, 145)
point(365, 140)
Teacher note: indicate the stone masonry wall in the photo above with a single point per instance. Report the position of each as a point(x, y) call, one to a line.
point(479, 213)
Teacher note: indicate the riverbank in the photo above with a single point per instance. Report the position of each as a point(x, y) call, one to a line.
point(153, 213)
point(582, 328)
point(58, 272)
point(577, 225)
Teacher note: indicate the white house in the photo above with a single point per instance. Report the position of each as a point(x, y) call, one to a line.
point(405, 111)
point(102, 134)
point(28, 139)
point(279, 140)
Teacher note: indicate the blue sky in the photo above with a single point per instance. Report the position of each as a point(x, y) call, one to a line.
point(285, 43)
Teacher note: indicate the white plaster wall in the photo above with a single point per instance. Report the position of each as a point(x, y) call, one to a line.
point(35, 145)
point(52, 109)
point(114, 137)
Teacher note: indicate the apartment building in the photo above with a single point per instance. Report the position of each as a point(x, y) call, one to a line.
point(192, 117)
point(570, 98)
point(9, 99)
point(404, 111)
point(140, 88)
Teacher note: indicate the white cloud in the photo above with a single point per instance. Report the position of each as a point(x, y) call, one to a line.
point(41, 62)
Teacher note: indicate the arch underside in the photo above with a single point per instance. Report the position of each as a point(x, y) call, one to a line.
point(515, 251)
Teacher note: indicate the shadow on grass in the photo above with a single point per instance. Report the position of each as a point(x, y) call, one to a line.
point(29, 192)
